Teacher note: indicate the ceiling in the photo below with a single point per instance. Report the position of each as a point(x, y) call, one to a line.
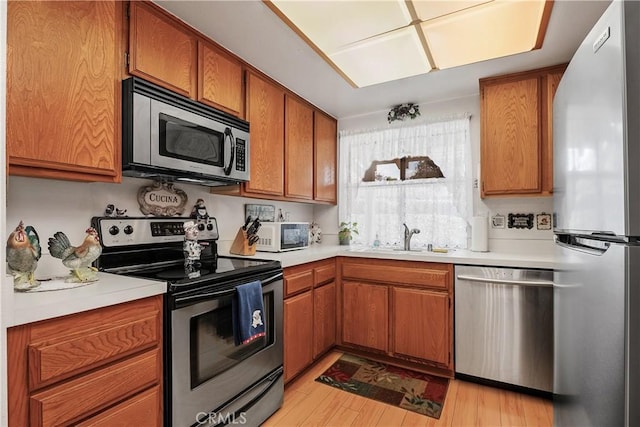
point(254, 33)
point(377, 42)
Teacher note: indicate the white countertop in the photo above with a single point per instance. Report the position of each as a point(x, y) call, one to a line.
point(320, 251)
point(26, 307)
point(110, 289)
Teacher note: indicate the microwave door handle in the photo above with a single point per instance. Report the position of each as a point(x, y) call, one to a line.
point(232, 144)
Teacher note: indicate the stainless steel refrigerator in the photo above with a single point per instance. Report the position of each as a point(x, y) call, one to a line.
point(596, 120)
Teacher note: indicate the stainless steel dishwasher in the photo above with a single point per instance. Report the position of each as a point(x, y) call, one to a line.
point(504, 326)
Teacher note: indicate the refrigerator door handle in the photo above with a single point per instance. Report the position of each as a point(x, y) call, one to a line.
point(590, 246)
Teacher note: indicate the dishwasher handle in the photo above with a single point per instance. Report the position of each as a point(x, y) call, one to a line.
point(535, 283)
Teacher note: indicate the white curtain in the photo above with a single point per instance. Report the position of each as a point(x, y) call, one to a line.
point(439, 207)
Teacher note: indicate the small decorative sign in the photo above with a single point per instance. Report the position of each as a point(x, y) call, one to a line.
point(543, 221)
point(521, 221)
point(497, 221)
point(161, 199)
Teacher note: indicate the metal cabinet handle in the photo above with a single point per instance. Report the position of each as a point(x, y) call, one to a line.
point(537, 283)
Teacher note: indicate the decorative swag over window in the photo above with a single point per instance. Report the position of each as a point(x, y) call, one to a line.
point(381, 189)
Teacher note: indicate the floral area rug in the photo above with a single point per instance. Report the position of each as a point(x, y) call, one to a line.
point(410, 390)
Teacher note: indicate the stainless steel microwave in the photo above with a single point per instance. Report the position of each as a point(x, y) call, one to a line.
point(282, 236)
point(169, 136)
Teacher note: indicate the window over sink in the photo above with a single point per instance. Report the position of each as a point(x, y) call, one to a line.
point(419, 174)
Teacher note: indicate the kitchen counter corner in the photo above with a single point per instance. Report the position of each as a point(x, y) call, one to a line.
point(26, 307)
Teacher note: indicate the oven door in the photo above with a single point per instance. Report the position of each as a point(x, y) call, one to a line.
point(208, 371)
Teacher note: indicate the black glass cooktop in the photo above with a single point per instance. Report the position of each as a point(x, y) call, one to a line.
point(206, 270)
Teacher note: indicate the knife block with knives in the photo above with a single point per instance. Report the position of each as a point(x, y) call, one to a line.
point(246, 238)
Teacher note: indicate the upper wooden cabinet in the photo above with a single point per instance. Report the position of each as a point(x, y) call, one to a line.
point(298, 149)
point(64, 62)
point(171, 54)
point(265, 113)
point(326, 159)
point(516, 146)
point(161, 50)
point(219, 79)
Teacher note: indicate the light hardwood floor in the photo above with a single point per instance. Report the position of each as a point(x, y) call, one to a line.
point(308, 403)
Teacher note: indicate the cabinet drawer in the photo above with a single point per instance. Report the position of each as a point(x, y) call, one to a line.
point(297, 282)
point(56, 358)
point(91, 393)
point(141, 410)
point(324, 273)
point(403, 274)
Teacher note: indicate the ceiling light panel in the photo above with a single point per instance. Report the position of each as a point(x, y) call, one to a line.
point(429, 9)
point(332, 25)
point(488, 31)
point(391, 56)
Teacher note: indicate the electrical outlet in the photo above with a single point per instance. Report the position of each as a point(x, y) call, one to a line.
point(475, 183)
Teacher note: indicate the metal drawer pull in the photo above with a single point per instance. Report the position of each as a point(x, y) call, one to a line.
point(538, 283)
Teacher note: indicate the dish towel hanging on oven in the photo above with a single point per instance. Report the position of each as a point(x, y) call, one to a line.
point(248, 313)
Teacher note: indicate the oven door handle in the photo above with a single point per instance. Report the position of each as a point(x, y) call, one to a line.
point(220, 294)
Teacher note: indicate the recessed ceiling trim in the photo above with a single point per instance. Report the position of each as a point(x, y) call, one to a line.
point(306, 39)
point(415, 21)
point(544, 22)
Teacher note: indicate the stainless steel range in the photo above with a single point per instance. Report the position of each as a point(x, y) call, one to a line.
point(209, 380)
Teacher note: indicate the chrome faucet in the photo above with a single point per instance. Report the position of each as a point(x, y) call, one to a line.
point(407, 236)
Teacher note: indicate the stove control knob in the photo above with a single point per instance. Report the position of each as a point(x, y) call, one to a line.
point(200, 226)
point(113, 230)
point(128, 229)
point(209, 227)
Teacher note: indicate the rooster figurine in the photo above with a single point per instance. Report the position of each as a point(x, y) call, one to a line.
point(23, 253)
point(78, 258)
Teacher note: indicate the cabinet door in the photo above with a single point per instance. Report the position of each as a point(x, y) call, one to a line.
point(421, 325)
point(298, 334)
point(511, 138)
point(161, 50)
point(265, 113)
point(325, 148)
point(75, 399)
point(551, 85)
point(298, 149)
point(143, 409)
point(63, 89)
point(365, 315)
point(324, 318)
point(219, 79)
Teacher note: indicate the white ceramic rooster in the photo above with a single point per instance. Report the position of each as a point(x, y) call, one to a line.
point(77, 258)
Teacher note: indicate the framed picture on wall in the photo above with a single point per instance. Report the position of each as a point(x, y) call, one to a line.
point(265, 213)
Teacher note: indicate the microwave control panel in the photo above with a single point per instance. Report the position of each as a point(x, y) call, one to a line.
point(241, 148)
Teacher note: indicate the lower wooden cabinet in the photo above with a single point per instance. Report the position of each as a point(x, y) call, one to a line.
point(324, 318)
point(401, 310)
point(136, 411)
point(298, 333)
point(90, 368)
point(309, 314)
point(365, 315)
point(420, 325)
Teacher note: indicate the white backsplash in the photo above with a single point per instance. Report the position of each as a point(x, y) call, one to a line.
point(52, 205)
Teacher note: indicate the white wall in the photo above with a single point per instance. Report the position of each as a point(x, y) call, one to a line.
point(53, 205)
point(499, 239)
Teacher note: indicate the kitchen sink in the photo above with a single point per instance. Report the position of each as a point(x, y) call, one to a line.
point(393, 250)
